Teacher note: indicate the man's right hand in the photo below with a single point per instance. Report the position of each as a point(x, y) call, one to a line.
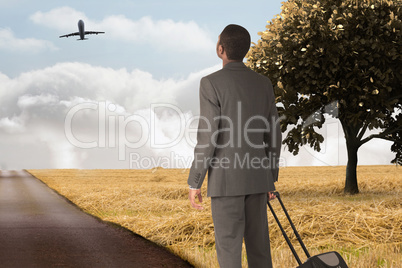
point(271, 196)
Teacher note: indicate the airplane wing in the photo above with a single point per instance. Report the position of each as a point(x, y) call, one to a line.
point(68, 35)
point(90, 32)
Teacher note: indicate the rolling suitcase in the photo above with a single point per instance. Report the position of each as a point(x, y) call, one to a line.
point(330, 259)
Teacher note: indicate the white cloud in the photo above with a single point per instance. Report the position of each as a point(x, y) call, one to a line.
point(27, 101)
point(161, 34)
point(13, 125)
point(9, 42)
point(62, 18)
point(34, 107)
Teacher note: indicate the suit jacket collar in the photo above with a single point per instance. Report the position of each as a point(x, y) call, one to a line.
point(234, 65)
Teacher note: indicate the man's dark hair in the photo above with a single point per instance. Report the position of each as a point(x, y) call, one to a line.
point(236, 41)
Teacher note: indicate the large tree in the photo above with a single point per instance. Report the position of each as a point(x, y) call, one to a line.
point(342, 58)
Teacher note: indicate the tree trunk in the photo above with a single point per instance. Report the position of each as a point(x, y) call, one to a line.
point(351, 174)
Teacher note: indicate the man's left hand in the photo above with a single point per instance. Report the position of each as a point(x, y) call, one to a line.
point(191, 195)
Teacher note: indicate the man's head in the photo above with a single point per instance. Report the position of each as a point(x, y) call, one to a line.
point(235, 41)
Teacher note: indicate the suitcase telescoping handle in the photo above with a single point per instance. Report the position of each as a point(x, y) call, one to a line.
point(293, 227)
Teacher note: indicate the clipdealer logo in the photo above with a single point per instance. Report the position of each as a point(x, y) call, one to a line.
point(118, 129)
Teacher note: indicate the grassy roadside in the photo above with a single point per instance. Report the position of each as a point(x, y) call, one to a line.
point(366, 229)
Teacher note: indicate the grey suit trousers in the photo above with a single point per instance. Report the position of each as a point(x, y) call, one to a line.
point(238, 217)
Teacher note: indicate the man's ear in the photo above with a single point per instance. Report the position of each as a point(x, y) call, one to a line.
point(221, 50)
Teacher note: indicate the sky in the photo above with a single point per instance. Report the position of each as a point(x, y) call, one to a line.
point(127, 98)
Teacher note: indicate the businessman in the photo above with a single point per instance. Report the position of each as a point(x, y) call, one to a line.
point(238, 144)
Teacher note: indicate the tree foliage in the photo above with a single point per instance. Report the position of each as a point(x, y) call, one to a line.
point(340, 58)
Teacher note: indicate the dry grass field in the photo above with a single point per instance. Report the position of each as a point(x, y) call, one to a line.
point(365, 228)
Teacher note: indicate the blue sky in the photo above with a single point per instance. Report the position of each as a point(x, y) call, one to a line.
point(128, 98)
point(149, 53)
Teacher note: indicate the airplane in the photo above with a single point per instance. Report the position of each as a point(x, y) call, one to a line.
point(81, 32)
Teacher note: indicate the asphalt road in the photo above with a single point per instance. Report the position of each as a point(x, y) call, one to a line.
point(39, 228)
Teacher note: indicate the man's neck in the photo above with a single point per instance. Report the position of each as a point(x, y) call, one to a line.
point(226, 61)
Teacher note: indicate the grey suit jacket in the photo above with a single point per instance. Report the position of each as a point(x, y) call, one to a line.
point(238, 137)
